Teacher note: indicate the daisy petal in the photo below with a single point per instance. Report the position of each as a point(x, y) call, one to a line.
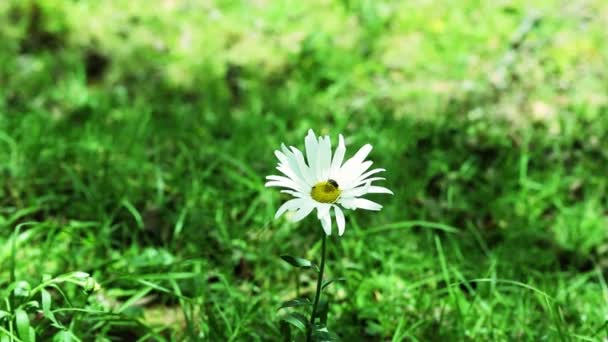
point(322, 209)
point(289, 166)
point(356, 192)
point(280, 185)
point(379, 190)
point(324, 216)
point(360, 203)
point(324, 158)
point(338, 157)
point(326, 223)
point(312, 146)
point(366, 181)
point(307, 172)
point(289, 205)
point(294, 193)
point(369, 173)
point(285, 182)
point(303, 212)
point(291, 159)
point(351, 174)
point(287, 171)
point(340, 221)
point(362, 153)
point(358, 158)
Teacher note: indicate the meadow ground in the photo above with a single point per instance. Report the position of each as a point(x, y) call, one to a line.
point(135, 137)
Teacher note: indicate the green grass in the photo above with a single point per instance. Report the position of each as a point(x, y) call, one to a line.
point(134, 141)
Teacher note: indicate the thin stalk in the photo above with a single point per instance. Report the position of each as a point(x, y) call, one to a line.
point(318, 294)
point(297, 280)
point(12, 276)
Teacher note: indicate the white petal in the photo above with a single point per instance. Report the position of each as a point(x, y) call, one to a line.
point(285, 182)
point(379, 190)
point(356, 192)
point(369, 173)
point(282, 185)
point(280, 156)
point(362, 203)
point(347, 203)
point(324, 158)
point(303, 211)
point(324, 216)
point(306, 171)
point(340, 221)
point(287, 171)
point(358, 158)
point(289, 205)
point(349, 174)
point(322, 209)
point(363, 152)
point(312, 146)
point(338, 156)
point(365, 181)
point(289, 166)
point(295, 193)
point(326, 224)
point(279, 178)
point(294, 164)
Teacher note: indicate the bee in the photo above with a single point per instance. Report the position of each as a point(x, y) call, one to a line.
point(326, 192)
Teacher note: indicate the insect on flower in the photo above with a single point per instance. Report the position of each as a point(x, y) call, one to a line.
point(323, 182)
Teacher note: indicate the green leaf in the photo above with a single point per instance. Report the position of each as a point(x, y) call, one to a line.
point(295, 303)
point(78, 275)
point(297, 320)
point(90, 286)
point(23, 325)
point(326, 283)
point(32, 304)
point(32, 334)
point(62, 336)
point(299, 262)
point(323, 335)
point(46, 301)
point(3, 314)
point(22, 289)
point(46, 307)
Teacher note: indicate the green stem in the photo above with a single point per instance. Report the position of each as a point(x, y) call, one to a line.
point(297, 273)
point(318, 294)
point(12, 276)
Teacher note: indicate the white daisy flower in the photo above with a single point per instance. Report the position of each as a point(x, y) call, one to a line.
point(323, 182)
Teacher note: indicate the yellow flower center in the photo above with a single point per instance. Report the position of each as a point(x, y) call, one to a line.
point(325, 192)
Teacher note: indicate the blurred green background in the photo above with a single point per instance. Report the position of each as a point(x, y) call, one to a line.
point(135, 137)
